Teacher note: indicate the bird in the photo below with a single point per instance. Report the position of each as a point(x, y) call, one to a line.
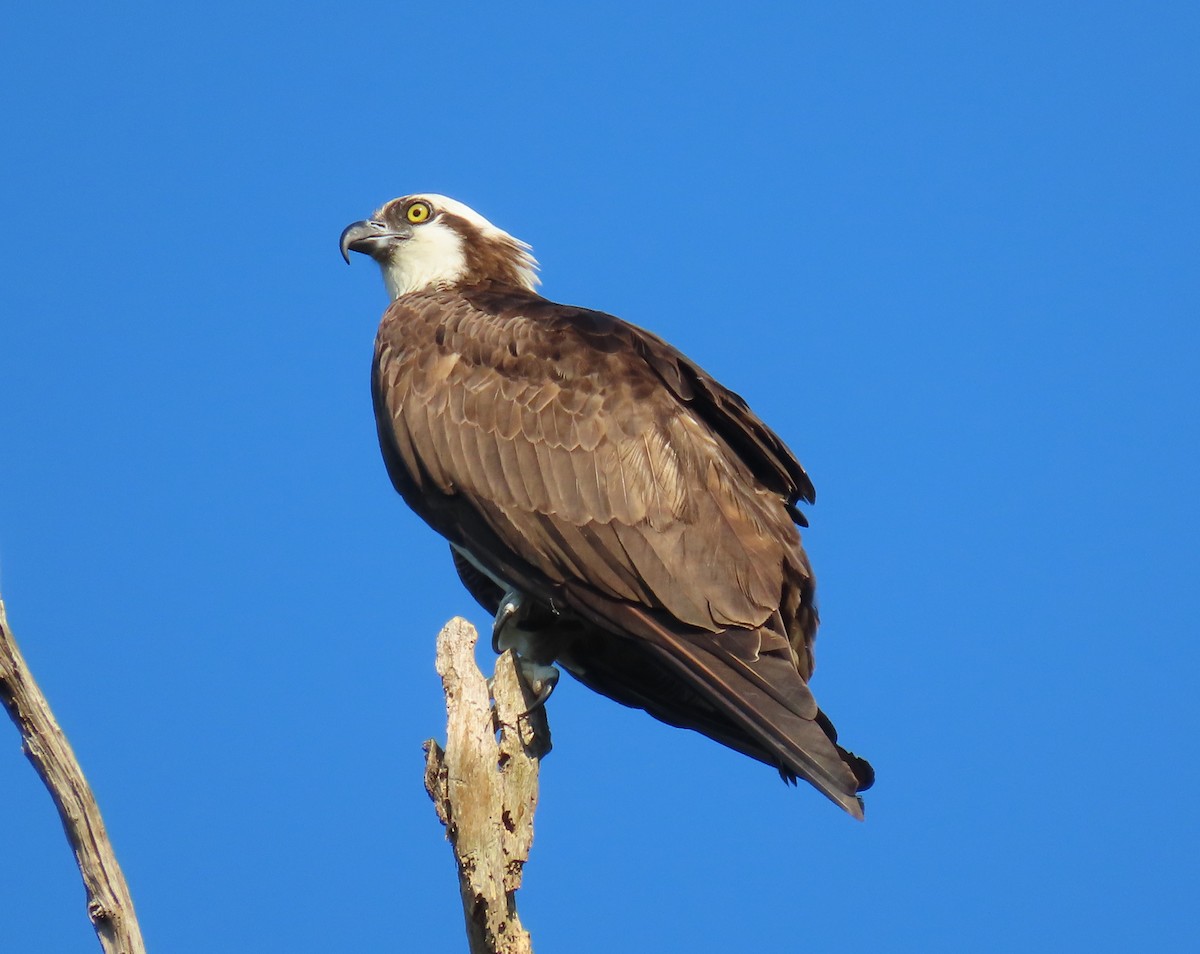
point(619, 512)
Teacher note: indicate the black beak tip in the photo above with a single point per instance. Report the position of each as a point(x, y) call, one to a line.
point(348, 235)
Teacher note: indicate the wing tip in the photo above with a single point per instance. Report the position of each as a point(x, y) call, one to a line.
point(850, 801)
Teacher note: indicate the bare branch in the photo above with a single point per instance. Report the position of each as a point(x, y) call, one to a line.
point(485, 790)
point(109, 904)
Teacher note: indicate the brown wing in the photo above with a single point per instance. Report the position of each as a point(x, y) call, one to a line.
point(590, 464)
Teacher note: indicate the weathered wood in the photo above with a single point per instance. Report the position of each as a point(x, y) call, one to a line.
point(485, 788)
point(109, 904)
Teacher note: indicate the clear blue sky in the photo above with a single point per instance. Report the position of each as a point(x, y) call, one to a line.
point(948, 251)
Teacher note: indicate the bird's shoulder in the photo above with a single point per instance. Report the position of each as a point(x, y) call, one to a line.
point(517, 333)
point(493, 327)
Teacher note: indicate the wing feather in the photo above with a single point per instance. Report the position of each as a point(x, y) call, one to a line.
point(534, 434)
point(586, 461)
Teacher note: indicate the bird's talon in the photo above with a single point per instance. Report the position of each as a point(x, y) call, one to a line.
point(540, 680)
point(508, 612)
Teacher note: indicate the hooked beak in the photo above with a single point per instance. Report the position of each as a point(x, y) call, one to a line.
point(372, 238)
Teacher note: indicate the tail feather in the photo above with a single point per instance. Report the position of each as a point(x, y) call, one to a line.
point(750, 695)
point(754, 702)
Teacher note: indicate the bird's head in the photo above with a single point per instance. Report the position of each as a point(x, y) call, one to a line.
point(430, 241)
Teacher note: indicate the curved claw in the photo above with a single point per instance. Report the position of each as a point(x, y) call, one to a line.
point(540, 679)
point(544, 694)
point(509, 611)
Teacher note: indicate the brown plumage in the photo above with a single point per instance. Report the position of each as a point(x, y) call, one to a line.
point(584, 462)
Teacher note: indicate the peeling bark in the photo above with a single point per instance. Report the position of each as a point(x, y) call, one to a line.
point(484, 786)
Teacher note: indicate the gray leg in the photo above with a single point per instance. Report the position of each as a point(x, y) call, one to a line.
point(541, 678)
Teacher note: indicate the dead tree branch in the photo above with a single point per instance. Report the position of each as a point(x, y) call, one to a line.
point(485, 788)
point(109, 904)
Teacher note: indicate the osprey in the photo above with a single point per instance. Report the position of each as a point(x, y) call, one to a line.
point(620, 512)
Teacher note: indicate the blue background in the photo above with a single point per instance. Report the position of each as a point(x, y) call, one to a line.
point(949, 251)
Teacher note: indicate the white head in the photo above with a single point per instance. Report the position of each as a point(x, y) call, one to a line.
point(431, 241)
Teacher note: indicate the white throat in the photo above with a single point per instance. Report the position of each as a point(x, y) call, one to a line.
point(434, 256)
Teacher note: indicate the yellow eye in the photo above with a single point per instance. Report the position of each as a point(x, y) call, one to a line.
point(418, 212)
